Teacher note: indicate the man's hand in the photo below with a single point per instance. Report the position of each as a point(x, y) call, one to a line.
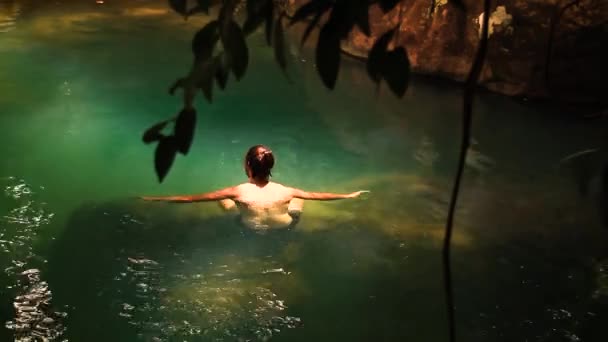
point(357, 193)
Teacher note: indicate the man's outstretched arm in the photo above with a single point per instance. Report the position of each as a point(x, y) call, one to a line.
point(227, 193)
point(324, 196)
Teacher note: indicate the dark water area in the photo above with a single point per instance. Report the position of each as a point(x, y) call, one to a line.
point(82, 260)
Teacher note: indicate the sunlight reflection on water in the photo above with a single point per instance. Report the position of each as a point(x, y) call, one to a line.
point(35, 318)
point(201, 298)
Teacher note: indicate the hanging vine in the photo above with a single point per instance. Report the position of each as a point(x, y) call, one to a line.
point(467, 115)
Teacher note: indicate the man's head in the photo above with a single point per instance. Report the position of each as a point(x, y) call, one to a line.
point(258, 162)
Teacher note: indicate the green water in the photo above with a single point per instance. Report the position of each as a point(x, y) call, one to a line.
point(79, 82)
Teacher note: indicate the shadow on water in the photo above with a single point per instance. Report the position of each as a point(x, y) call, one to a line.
point(107, 266)
point(545, 290)
point(538, 270)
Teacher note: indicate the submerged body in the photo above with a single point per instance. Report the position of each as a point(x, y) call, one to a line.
point(270, 206)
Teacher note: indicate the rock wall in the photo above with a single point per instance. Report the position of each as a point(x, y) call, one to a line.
point(443, 43)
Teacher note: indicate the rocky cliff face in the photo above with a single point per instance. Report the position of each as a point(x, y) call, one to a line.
point(521, 60)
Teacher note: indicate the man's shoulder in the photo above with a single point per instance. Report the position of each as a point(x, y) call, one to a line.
point(287, 191)
point(242, 186)
point(279, 185)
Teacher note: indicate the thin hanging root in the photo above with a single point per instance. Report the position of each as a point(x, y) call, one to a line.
point(469, 93)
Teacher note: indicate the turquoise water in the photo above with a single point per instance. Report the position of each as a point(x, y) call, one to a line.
point(83, 261)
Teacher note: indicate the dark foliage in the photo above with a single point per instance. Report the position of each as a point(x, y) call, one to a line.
point(221, 76)
point(154, 133)
point(164, 156)
point(179, 6)
point(202, 6)
point(184, 130)
point(236, 49)
point(279, 44)
point(377, 55)
point(327, 56)
point(393, 66)
point(212, 65)
point(204, 41)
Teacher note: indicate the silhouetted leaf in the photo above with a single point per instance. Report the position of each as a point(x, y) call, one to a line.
point(393, 66)
point(179, 6)
point(328, 55)
point(362, 20)
point(279, 44)
point(164, 157)
point(377, 55)
point(315, 7)
point(310, 27)
point(253, 6)
point(388, 5)
point(397, 71)
point(154, 133)
point(184, 130)
point(225, 12)
point(206, 85)
point(255, 17)
point(252, 23)
point(269, 15)
point(202, 76)
point(204, 41)
point(342, 19)
point(236, 49)
point(202, 6)
point(256, 14)
point(221, 76)
point(178, 84)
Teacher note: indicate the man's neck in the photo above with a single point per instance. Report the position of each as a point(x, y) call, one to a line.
point(259, 182)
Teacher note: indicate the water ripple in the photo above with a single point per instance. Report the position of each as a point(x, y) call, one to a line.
point(426, 152)
point(35, 319)
point(217, 302)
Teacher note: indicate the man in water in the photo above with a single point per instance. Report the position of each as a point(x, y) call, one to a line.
point(262, 204)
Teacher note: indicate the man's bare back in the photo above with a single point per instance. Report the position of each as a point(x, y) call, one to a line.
point(266, 207)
